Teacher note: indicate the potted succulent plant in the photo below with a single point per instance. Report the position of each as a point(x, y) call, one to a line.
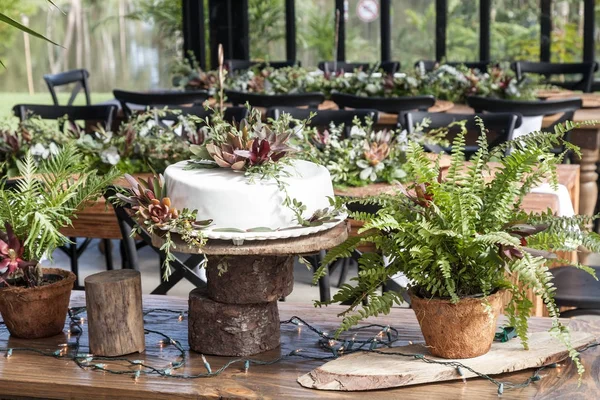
point(34, 300)
point(461, 239)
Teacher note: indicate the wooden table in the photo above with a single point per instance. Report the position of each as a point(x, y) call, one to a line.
point(28, 375)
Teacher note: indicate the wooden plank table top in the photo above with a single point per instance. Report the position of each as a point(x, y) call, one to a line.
point(29, 375)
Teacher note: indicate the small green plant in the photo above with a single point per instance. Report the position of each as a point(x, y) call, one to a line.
point(43, 201)
point(463, 233)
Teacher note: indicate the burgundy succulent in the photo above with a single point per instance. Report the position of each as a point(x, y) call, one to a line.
point(522, 231)
point(11, 252)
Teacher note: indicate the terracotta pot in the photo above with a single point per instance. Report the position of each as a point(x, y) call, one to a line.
point(461, 330)
point(38, 312)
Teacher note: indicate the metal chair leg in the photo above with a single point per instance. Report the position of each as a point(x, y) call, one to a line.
point(108, 254)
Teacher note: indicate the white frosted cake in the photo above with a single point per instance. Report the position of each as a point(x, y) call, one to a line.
point(233, 200)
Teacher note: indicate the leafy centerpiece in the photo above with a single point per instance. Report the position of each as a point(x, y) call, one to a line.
point(34, 300)
point(360, 155)
point(462, 241)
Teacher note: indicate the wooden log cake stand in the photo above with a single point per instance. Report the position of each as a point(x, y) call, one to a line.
point(114, 309)
point(237, 314)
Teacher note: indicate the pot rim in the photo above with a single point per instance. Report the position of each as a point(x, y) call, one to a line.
point(476, 297)
point(67, 276)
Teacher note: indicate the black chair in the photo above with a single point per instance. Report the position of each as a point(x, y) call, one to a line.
point(77, 76)
point(500, 127)
point(393, 105)
point(576, 288)
point(180, 269)
point(100, 113)
point(241, 65)
point(389, 67)
point(323, 118)
point(566, 107)
point(585, 69)
point(429, 65)
point(275, 100)
point(157, 99)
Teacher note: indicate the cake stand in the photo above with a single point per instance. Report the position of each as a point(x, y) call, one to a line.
point(237, 314)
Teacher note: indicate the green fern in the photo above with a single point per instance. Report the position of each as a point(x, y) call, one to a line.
point(465, 235)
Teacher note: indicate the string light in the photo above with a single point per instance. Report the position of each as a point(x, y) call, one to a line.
point(84, 360)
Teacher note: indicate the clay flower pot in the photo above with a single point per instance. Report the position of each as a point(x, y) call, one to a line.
point(39, 312)
point(461, 330)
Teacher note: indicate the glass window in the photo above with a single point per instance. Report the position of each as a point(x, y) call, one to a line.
point(363, 32)
point(315, 31)
point(266, 25)
point(463, 31)
point(515, 30)
point(128, 46)
point(413, 31)
point(567, 31)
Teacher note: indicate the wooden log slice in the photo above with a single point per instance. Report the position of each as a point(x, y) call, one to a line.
point(231, 329)
point(114, 310)
point(249, 279)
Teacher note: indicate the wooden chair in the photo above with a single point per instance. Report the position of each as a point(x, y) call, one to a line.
point(275, 100)
point(389, 67)
point(157, 99)
point(500, 127)
point(241, 65)
point(182, 269)
point(576, 288)
point(585, 69)
point(77, 76)
point(323, 118)
point(393, 105)
point(429, 65)
point(102, 114)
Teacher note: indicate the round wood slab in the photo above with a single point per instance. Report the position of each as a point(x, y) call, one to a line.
point(309, 244)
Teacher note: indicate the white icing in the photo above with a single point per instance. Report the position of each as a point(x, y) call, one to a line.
point(233, 200)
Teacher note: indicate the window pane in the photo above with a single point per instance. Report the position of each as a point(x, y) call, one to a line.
point(515, 30)
point(463, 31)
point(315, 26)
point(567, 31)
point(362, 38)
point(413, 31)
point(266, 25)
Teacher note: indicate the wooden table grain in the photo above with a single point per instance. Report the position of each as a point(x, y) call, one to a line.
point(28, 375)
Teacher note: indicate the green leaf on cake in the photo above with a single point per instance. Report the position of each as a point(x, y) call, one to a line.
point(234, 230)
point(260, 229)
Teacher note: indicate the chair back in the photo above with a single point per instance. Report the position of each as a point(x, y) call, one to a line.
point(429, 65)
point(275, 100)
point(241, 65)
point(77, 76)
point(323, 118)
point(129, 100)
point(584, 69)
point(393, 105)
point(100, 113)
point(389, 67)
point(499, 126)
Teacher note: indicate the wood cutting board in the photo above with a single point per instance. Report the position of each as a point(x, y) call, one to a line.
point(371, 371)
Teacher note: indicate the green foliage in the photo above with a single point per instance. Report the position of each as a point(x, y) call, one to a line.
point(464, 234)
point(47, 197)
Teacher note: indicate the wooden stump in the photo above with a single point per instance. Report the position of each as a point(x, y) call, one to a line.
point(250, 279)
point(231, 329)
point(115, 316)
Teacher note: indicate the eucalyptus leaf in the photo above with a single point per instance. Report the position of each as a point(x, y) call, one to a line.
point(233, 230)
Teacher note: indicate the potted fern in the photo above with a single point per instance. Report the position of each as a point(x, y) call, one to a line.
point(34, 300)
point(461, 239)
